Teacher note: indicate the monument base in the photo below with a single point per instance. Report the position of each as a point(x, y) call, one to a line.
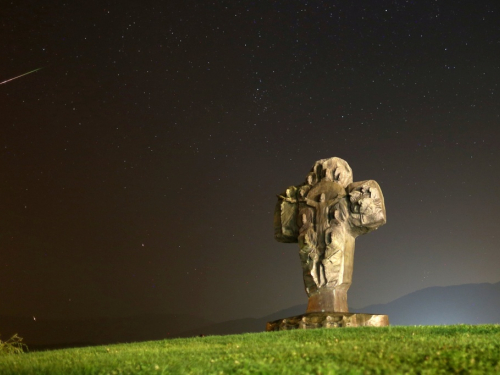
point(328, 320)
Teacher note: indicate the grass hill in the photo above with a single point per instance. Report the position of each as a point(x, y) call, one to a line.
point(363, 350)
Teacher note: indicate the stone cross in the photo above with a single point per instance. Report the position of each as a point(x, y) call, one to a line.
point(325, 215)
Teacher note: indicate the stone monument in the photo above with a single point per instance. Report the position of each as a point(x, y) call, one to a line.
point(325, 215)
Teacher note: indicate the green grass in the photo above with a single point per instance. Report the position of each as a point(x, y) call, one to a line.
point(461, 349)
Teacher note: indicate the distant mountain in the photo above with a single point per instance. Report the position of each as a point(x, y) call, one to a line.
point(467, 304)
point(47, 333)
point(244, 325)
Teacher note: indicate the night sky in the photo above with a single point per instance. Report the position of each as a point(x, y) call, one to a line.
point(139, 167)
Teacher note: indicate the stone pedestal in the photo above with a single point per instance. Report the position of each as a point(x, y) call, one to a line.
point(328, 299)
point(328, 320)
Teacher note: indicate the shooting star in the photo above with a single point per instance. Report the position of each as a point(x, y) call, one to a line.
point(11, 79)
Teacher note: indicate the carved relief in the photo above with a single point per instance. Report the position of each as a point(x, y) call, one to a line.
point(333, 260)
point(285, 216)
point(325, 215)
point(334, 169)
point(308, 253)
point(366, 205)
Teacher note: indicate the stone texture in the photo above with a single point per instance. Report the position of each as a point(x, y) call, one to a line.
point(328, 320)
point(324, 216)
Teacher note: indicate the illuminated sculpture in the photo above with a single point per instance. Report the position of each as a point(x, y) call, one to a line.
point(325, 215)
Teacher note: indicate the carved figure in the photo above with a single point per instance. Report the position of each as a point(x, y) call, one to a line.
point(287, 215)
point(325, 215)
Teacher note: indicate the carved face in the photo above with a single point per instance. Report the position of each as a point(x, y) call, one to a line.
point(329, 175)
point(322, 197)
point(332, 169)
point(340, 175)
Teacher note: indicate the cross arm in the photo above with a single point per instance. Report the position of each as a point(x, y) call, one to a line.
point(366, 206)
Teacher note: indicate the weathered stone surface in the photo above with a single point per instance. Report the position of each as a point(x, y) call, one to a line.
point(328, 320)
point(325, 215)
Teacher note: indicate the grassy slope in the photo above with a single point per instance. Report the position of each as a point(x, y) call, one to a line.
point(422, 350)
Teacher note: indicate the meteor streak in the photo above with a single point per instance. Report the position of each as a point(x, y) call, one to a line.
point(11, 79)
